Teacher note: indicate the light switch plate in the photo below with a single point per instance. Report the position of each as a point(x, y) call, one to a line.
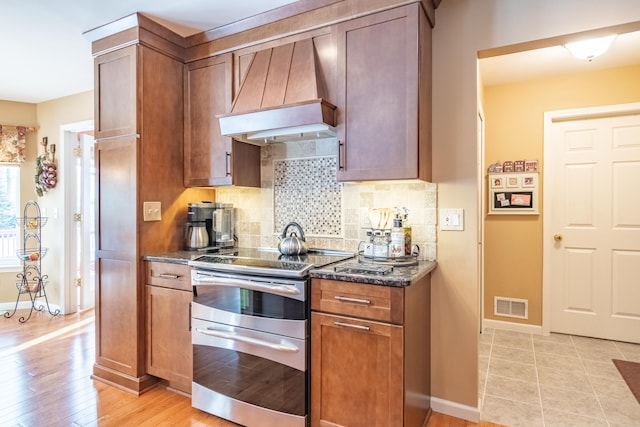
point(452, 219)
point(152, 211)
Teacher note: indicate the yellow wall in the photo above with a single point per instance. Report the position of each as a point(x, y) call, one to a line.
point(47, 117)
point(515, 130)
point(51, 115)
point(463, 28)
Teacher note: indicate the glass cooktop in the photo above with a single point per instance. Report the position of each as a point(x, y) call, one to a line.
point(267, 261)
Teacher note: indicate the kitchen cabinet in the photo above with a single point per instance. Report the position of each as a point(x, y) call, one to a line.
point(211, 159)
point(384, 96)
point(138, 153)
point(115, 93)
point(370, 350)
point(169, 295)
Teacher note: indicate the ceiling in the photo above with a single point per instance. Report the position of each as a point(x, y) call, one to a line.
point(556, 60)
point(45, 55)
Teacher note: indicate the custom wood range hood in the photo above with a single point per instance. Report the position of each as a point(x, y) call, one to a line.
point(281, 98)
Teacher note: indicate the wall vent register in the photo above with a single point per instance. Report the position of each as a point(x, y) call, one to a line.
point(511, 307)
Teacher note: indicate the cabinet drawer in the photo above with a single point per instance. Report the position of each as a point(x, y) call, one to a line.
point(169, 275)
point(374, 302)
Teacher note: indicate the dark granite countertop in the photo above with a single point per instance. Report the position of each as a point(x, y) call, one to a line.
point(400, 276)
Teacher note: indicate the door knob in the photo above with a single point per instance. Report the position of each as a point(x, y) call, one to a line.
point(557, 237)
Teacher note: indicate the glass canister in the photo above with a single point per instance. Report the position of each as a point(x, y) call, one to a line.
point(380, 245)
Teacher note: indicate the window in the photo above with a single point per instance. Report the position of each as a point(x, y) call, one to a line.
point(9, 209)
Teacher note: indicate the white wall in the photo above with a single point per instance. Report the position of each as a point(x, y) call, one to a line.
point(464, 27)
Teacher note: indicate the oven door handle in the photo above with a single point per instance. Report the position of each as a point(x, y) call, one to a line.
point(247, 284)
point(235, 337)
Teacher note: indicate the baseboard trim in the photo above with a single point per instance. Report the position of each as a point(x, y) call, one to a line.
point(133, 385)
point(454, 409)
point(512, 326)
point(25, 305)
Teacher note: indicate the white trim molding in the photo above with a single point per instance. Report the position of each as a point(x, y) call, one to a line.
point(513, 326)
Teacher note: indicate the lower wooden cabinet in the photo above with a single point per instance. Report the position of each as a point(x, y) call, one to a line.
point(356, 372)
point(169, 295)
point(369, 354)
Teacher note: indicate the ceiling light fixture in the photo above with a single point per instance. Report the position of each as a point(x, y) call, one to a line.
point(591, 48)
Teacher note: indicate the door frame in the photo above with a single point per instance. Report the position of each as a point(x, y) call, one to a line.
point(68, 292)
point(547, 242)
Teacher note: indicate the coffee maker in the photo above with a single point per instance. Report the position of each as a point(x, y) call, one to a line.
point(218, 219)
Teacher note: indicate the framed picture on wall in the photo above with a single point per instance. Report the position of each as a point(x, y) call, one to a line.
point(513, 181)
point(513, 194)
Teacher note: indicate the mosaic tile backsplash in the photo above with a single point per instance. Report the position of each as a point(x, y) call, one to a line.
point(297, 175)
point(306, 191)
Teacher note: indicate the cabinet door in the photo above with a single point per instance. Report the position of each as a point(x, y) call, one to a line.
point(356, 372)
point(377, 92)
point(210, 158)
point(115, 82)
point(117, 295)
point(169, 353)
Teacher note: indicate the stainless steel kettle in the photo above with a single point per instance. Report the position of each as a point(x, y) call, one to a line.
point(292, 244)
point(195, 235)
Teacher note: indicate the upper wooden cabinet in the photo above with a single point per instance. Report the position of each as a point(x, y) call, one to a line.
point(384, 96)
point(211, 159)
point(115, 93)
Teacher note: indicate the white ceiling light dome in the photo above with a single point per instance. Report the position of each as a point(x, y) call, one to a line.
point(591, 48)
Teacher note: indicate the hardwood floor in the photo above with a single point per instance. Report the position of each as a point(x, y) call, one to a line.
point(45, 380)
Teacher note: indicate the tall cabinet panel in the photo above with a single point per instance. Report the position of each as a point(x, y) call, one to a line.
point(383, 94)
point(117, 296)
point(138, 152)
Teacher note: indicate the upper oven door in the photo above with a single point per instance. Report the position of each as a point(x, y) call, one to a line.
point(274, 305)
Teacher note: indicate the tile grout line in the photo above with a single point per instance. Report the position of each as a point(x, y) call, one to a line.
point(535, 364)
point(593, 390)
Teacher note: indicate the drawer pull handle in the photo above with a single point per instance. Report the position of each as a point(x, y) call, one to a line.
point(356, 300)
point(169, 276)
point(349, 325)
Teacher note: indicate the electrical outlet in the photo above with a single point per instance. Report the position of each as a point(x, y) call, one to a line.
point(152, 211)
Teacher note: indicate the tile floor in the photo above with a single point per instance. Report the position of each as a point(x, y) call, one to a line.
point(561, 380)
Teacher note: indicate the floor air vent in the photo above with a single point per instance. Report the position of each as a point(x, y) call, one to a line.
point(511, 307)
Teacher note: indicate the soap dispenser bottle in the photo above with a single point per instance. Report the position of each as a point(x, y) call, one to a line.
point(397, 237)
point(407, 232)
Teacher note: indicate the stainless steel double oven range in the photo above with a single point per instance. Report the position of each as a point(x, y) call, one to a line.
point(250, 333)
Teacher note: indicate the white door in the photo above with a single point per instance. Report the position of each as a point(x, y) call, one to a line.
point(79, 259)
point(592, 223)
point(85, 226)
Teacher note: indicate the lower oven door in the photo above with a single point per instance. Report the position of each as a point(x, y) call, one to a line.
point(249, 377)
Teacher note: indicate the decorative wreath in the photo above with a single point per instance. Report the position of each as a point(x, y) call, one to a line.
point(46, 176)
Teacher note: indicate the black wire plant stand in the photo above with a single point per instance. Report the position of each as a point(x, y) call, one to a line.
point(31, 281)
